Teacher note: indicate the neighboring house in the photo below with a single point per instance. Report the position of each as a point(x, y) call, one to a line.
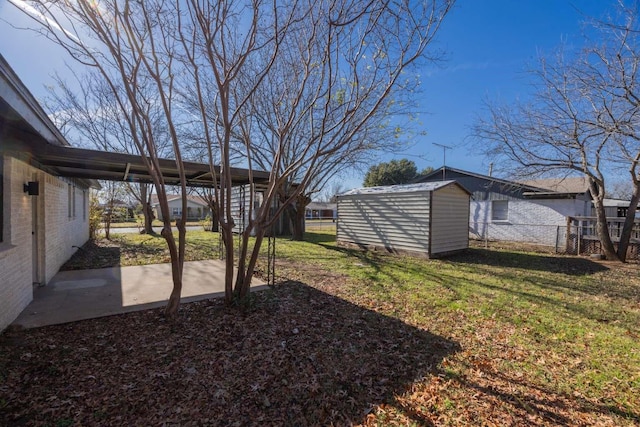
point(121, 209)
point(43, 216)
point(615, 208)
point(320, 210)
point(430, 219)
point(520, 211)
point(197, 207)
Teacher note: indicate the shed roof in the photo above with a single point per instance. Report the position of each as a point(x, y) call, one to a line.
point(404, 188)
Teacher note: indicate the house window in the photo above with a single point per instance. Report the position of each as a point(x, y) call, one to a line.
point(177, 212)
point(84, 205)
point(499, 210)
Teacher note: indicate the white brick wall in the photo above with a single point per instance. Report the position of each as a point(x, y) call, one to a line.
point(57, 233)
point(533, 221)
point(64, 229)
point(16, 289)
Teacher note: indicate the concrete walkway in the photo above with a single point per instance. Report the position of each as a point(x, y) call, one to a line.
point(87, 294)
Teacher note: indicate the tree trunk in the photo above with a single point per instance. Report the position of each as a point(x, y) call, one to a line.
point(147, 212)
point(296, 215)
point(215, 224)
point(176, 271)
point(107, 226)
point(629, 221)
point(245, 270)
point(603, 231)
point(227, 236)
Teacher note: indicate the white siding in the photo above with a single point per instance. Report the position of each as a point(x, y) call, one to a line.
point(240, 206)
point(450, 213)
point(396, 221)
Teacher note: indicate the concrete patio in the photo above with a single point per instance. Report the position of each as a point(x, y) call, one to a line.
point(86, 294)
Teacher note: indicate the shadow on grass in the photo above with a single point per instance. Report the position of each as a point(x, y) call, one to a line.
point(94, 254)
point(514, 279)
point(565, 265)
point(299, 357)
point(317, 238)
point(526, 398)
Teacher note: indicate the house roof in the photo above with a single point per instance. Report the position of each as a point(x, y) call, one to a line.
point(19, 108)
point(404, 188)
point(438, 173)
point(170, 197)
point(568, 185)
point(23, 121)
point(616, 203)
point(321, 205)
point(549, 188)
point(27, 133)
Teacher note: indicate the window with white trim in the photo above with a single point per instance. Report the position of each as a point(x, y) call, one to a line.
point(499, 210)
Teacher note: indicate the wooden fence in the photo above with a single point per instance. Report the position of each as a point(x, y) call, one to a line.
point(581, 236)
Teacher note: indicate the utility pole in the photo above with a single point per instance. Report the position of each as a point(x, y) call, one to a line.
point(444, 157)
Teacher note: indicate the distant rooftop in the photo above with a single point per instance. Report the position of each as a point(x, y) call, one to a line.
point(572, 185)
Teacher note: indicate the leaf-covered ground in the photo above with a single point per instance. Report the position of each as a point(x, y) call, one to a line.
point(347, 337)
point(299, 357)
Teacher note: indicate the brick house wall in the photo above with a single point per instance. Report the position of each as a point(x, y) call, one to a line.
point(56, 233)
point(532, 221)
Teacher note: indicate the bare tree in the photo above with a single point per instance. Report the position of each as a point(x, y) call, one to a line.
point(330, 71)
point(299, 91)
point(556, 132)
point(111, 193)
point(129, 45)
point(584, 117)
point(611, 69)
point(89, 115)
point(327, 102)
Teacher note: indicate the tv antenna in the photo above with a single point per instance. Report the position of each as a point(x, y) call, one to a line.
point(444, 157)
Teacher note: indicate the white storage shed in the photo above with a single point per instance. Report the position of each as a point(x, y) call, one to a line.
point(430, 219)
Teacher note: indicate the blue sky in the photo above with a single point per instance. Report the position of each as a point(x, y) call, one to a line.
point(489, 45)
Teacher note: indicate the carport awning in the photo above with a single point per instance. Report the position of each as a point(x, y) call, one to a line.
point(27, 133)
point(20, 139)
point(92, 164)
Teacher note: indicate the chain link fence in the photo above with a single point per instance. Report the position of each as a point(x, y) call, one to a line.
point(320, 224)
point(577, 237)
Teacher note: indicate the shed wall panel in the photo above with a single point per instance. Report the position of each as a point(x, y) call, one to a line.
point(450, 216)
point(395, 221)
